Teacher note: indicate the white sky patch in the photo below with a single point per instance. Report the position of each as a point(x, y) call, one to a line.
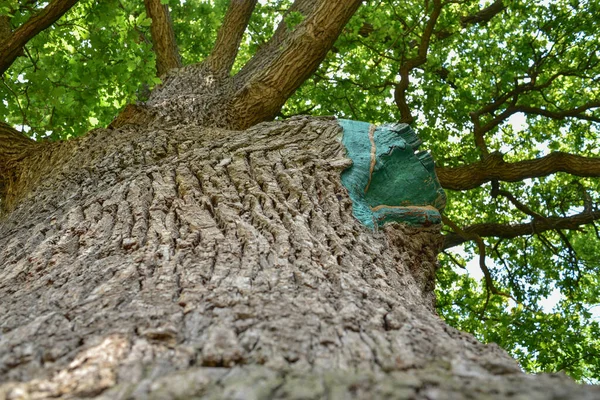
point(595, 310)
point(551, 301)
point(24, 128)
point(518, 122)
point(454, 139)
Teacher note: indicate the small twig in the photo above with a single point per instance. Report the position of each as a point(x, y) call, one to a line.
point(481, 247)
point(454, 260)
point(520, 206)
point(17, 100)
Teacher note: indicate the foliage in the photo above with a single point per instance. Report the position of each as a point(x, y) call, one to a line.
point(78, 72)
point(536, 61)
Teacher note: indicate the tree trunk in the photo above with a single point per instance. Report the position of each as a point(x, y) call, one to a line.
point(176, 261)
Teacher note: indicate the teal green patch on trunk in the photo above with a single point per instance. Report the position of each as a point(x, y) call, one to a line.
point(388, 181)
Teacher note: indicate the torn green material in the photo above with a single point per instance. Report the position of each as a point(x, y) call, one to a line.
point(388, 181)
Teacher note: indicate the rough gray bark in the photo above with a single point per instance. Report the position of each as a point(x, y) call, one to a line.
point(187, 262)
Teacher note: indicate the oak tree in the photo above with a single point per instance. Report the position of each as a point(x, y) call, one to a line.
point(189, 248)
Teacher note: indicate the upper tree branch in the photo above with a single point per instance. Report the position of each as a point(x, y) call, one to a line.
point(577, 112)
point(506, 104)
point(482, 16)
point(513, 231)
point(269, 79)
point(12, 47)
point(412, 63)
point(230, 35)
point(520, 206)
point(493, 167)
point(163, 37)
point(485, 15)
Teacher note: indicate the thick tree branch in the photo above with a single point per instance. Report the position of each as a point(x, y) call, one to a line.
point(12, 142)
point(485, 15)
point(266, 84)
point(513, 231)
point(12, 47)
point(493, 167)
point(266, 50)
point(163, 37)
point(230, 35)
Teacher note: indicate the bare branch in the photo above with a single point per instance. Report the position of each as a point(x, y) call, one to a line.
point(577, 112)
point(163, 37)
point(509, 101)
point(493, 167)
point(230, 35)
point(12, 47)
point(512, 231)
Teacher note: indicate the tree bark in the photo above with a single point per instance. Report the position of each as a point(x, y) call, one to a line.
point(186, 262)
point(167, 257)
point(14, 146)
point(278, 76)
